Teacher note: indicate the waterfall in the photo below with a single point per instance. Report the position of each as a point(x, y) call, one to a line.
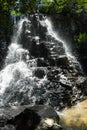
point(17, 76)
point(39, 68)
point(54, 34)
point(39, 72)
point(68, 52)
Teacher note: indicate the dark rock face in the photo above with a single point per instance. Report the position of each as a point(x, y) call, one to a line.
point(39, 73)
point(68, 28)
point(82, 55)
point(32, 38)
point(25, 117)
point(62, 73)
point(26, 120)
point(62, 62)
point(3, 52)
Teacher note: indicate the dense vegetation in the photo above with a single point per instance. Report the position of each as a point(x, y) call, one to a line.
point(46, 6)
point(18, 7)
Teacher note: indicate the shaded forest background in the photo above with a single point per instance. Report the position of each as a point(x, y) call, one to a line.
point(69, 16)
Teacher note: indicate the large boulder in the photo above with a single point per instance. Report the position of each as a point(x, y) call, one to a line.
point(25, 117)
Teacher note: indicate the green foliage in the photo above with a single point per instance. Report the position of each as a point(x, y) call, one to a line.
point(63, 6)
point(5, 21)
point(47, 6)
point(13, 12)
point(81, 38)
point(81, 6)
point(70, 6)
point(18, 7)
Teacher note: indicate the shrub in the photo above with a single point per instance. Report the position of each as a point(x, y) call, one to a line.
point(81, 38)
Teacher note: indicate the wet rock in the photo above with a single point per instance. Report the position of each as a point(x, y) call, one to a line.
point(41, 62)
point(81, 83)
point(8, 127)
point(51, 61)
point(65, 82)
point(37, 26)
point(43, 50)
point(33, 48)
point(25, 117)
point(62, 61)
point(40, 73)
point(49, 124)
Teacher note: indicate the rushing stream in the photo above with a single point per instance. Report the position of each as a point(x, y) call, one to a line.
point(39, 68)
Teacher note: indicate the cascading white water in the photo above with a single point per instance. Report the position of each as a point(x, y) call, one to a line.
point(68, 52)
point(18, 30)
point(17, 76)
point(55, 35)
